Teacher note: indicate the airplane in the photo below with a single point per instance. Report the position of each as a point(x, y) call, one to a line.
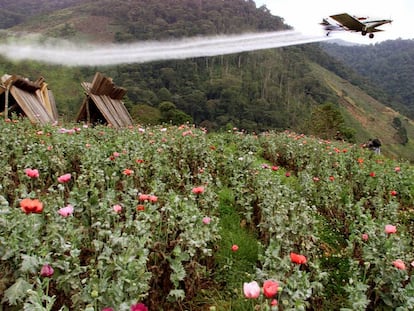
point(347, 22)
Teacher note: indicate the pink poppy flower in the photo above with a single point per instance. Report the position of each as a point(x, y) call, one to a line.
point(389, 229)
point(187, 133)
point(397, 169)
point(139, 307)
point(393, 193)
point(365, 237)
point(153, 198)
point(64, 178)
point(32, 173)
point(234, 247)
point(251, 290)
point(107, 309)
point(66, 211)
point(206, 220)
point(46, 271)
point(399, 264)
point(143, 197)
point(117, 208)
point(198, 190)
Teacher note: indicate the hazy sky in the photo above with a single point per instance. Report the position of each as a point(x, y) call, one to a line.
point(304, 16)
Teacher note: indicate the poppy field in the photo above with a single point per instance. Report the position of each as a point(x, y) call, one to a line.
point(174, 218)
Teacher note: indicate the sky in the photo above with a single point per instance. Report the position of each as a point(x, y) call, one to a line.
point(305, 16)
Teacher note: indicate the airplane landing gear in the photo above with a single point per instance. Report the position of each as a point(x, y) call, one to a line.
point(371, 35)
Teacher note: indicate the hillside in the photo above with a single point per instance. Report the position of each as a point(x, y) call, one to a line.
point(389, 64)
point(255, 91)
point(369, 117)
point(16, 12)
point(125, 20)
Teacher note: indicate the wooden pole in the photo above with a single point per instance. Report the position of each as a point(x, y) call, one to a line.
point(6, 103)
point(88, 113)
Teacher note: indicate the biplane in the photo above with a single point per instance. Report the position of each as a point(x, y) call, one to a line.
point(347, 22)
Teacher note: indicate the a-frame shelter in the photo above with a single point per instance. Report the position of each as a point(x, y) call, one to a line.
point(103, 103)
point(22, 97)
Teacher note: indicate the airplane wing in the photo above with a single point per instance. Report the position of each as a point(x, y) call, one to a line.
point(348, 22)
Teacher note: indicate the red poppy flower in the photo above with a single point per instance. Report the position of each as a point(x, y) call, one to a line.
point(128, 172)
point(31, 206)
point(139, 307)
point(270, 288)
point(234, 247)
point(298, 259)
point(140, 207)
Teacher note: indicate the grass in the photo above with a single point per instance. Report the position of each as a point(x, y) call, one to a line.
point(233, 267)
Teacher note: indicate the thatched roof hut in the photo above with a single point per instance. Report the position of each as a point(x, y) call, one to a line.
point(26, 98)
point(103, 103)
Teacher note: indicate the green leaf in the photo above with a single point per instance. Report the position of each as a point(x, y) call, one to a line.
point(29, 264)
point(176, 294)
point(17, 292)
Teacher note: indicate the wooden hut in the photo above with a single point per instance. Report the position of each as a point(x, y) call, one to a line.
point(23, 97)
point(103, 103)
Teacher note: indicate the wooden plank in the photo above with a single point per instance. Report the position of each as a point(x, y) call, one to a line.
point(53, 107)
point(123, 113)
point(31, 105)
point(104, 109)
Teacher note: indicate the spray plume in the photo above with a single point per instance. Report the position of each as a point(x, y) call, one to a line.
point(69, 54)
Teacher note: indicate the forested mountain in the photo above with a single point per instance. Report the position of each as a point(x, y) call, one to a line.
point(130, 20)
point(285, 88)
point(16, 12)
point(389, 64)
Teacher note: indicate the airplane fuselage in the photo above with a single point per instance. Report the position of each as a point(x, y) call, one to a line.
point(355, 24)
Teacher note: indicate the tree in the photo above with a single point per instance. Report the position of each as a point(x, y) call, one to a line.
point(325, 121)
point(170, 114)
